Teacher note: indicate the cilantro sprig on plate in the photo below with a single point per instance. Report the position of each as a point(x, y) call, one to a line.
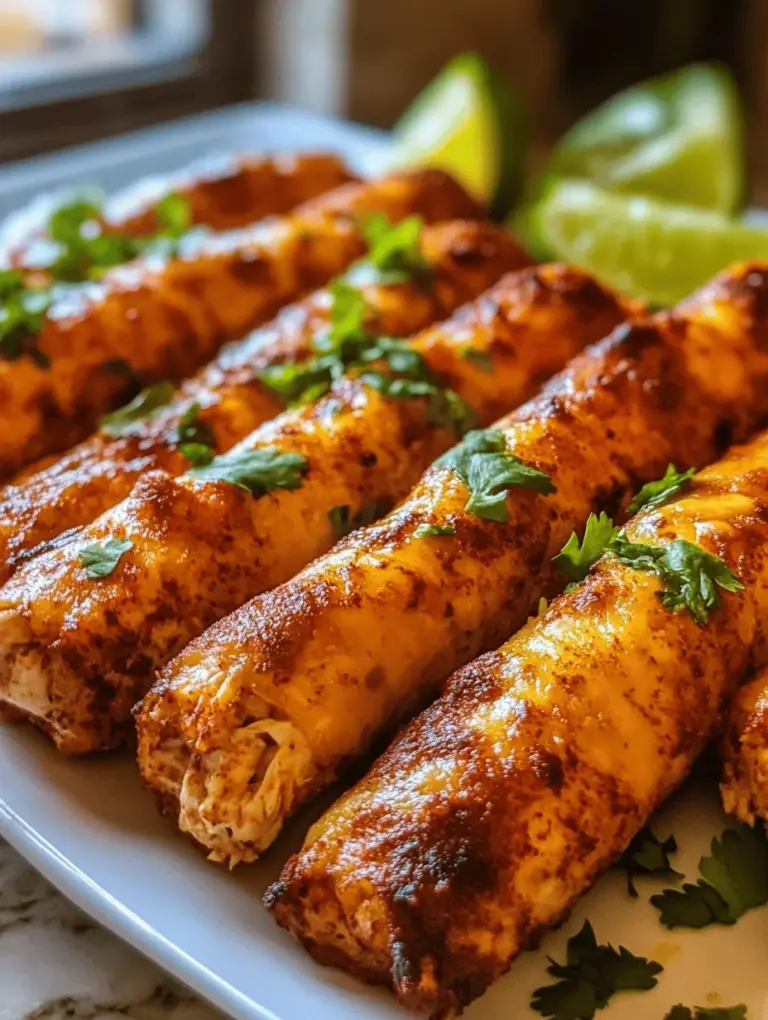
point(590, 977)
point(489, 470)
point(703, 1013)
point(734, 880)
point(647, 855)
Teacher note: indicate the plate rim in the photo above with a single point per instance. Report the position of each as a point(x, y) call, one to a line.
point(92, 898)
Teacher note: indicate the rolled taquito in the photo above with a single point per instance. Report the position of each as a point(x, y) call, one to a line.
point(272, 704)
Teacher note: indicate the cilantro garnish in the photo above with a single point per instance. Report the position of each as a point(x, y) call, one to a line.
point(22, 316)
point(84, 249)
point(647, 855)
point(486, 467)
point(349, 312)
point(174, 215)
point(337, 350)
point(409, 377)
point(67, 221)
point(576, 558)
point(100, 560)
point(194, 437)
point(653, 494)
point(144, 405)
point(434, 530)
point(343, 524)
point(590, 977)
point(255, 471)
point(702, 1013)
point(198, 454)
point(734, 879)
point(482, 360)
point(691, 576)
point(394, 249)
point(11, 281)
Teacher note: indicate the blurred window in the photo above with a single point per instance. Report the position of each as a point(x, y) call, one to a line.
point(74, 70)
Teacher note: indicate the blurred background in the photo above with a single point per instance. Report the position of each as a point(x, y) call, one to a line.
point(77, 70)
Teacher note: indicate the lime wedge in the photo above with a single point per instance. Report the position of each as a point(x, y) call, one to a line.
point(468, 122)
point(678, 137)
point(642, 247)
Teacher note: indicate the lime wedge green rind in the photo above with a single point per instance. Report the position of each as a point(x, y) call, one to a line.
point(468, 122)
point(644, 248)
point(678, 137)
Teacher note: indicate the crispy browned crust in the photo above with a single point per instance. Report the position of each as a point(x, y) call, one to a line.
point(223, 193)
point(504, 801)
point(360, 637)
point(527, 324)
point(745, 750)
point(465, 256)
point(230, 193)
point(200, 550)
point(168, 317)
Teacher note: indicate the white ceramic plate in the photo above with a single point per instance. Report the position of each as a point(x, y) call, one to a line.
point(93, 832)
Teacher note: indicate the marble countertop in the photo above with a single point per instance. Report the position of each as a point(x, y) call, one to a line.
point(57, 964)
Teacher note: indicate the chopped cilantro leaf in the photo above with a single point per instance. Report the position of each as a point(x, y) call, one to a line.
point(691, 576)
point(590, 977)
point(482, 360)
point(338, 350)
point(394, 249)
point(653, 494)
point(191, 430)
point(734, 880)
point(343, 524)
point(11, 281)
point(576, 558)
point(198, 454)
point(434, 530)
point(22, 315)
point(255, 471)
point(693, 906)
point(702, 1013)
point(484, 464)
point(144, 405)
point(738, 868)
point(99, 560)
point(647, 855)
point(349, 313)
point(174, 215)
point(85, 249)
point(450, 411)
point(67, 221)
